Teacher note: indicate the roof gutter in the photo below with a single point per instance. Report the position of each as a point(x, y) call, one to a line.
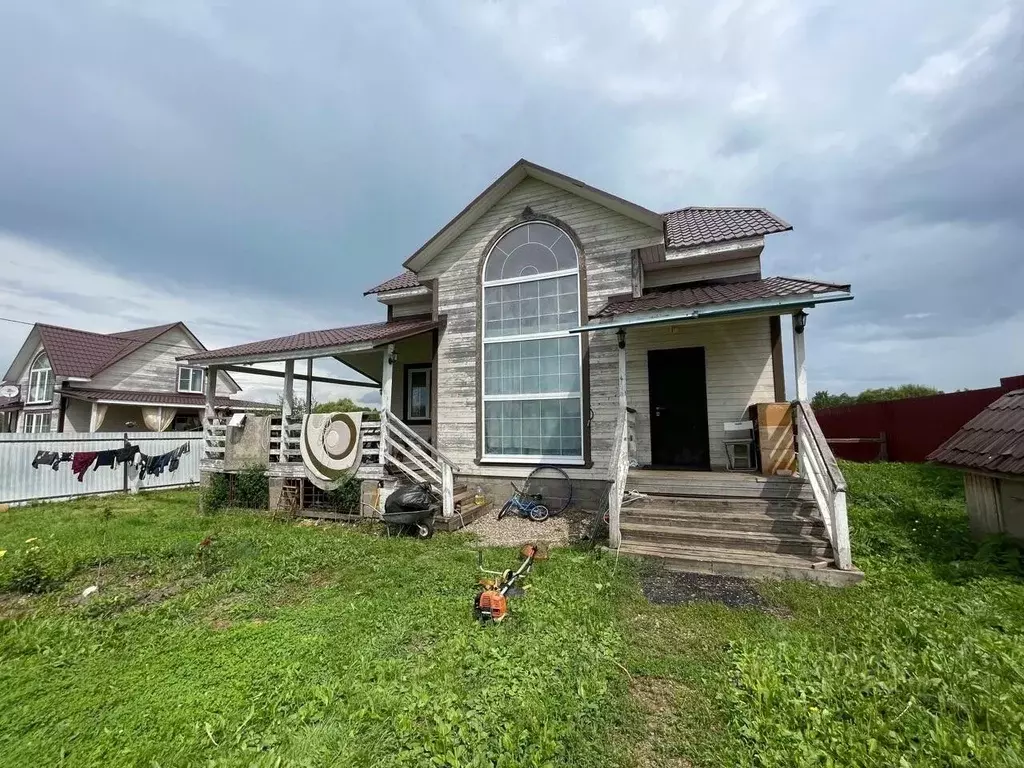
point(723, 310)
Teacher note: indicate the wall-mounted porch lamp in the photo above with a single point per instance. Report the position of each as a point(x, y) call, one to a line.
point(799, 321)
point(621, 334)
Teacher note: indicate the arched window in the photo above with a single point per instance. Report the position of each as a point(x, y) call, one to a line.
point(40, 380)
point(531, 389)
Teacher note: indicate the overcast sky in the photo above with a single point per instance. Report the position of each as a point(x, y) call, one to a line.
point(250, 167)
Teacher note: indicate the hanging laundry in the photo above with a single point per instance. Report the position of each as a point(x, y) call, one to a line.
point(81, 462)
point(105, 459)
point(45, 458)
point(126, 454)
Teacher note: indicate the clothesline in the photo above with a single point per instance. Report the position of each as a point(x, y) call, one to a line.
point(82, 461)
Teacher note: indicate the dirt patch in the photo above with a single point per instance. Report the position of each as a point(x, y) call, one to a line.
point(675, 588)
point(658, 700)
point(14, 605)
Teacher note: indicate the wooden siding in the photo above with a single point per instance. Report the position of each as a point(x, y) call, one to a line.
point(422, 306)
point(608, 239)
point(738, 358)
point(1011, 502)
point(984, 507)
point(154, 367)
point(681, 272)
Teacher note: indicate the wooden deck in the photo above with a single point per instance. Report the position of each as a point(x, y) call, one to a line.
point(736, 485)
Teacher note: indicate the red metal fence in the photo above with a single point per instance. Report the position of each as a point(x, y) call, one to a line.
point(913, 427)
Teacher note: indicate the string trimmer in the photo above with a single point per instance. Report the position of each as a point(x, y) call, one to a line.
point(491, 603)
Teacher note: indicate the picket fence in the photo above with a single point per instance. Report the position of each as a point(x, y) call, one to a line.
point(20, 483)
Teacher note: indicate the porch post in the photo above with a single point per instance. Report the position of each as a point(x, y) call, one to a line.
point(211, 393)
point(288, 399)
point(621, 333)
point(799, 323)
point(385, 400)
point(309, 386)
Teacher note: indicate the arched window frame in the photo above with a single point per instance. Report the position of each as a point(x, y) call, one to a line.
point(541, 402)
point(40, 380)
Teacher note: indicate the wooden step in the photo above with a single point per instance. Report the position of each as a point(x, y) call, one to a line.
point(749, 565)
point(716, 538)
point(751, 487)
point(779, 507)
point(726, 520)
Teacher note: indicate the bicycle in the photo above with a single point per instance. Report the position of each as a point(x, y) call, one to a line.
point(525, 505)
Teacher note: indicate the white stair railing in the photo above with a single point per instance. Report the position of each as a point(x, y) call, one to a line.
point(405, 450)
point(818, 465)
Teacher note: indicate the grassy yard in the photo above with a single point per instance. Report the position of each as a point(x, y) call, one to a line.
point(283, 644)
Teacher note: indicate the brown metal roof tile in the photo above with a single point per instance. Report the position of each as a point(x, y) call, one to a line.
point(189, 399)
point(993, 441)
point(312, 341)
point(405, 280)
point(694, 226)
point(723, 293)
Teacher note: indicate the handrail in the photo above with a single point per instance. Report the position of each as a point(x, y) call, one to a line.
point(407, 431)
point(819, 466)
point(414, 444)
point(619, 463)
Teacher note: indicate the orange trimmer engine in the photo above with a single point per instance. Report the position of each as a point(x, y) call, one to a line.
point(491, 602)
point(491, 605)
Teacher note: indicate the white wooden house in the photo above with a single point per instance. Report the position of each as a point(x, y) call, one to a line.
point(68, 380)
point(550, 322)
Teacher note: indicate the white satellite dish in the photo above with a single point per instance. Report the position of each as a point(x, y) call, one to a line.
point(9, 391)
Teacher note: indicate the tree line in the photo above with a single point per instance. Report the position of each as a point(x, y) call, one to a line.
point(825, 399)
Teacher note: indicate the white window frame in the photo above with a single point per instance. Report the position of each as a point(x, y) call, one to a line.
point(37, 372)
point(34, 421)
point(192, 371)
point(413, 369)
point(507, 458)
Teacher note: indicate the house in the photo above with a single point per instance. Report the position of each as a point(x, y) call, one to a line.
point(551, 322)
point(67, 380)
point(990, 450)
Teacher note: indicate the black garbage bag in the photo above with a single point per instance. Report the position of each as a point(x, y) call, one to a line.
point(409, 498)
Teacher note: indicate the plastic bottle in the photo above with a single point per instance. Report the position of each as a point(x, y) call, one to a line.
point(479, 498)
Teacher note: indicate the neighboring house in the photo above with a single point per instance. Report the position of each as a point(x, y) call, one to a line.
point(990, 450)
point(550, 322)
point(66, 380)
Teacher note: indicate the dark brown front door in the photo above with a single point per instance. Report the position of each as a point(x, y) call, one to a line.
point(679, 408)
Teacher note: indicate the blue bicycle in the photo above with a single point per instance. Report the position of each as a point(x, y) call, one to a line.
point(525, 505)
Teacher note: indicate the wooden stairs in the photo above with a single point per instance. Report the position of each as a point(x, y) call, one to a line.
point(730, 524)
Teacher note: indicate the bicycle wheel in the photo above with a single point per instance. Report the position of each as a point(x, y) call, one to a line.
point(539, 513)
point(552, 485)
point(505, 509)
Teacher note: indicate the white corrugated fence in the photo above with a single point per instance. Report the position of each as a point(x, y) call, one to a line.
point(20, 483)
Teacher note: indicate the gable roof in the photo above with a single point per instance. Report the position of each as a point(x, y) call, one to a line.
point(993, 441)
point(519, 171)
point(84, 354)
point(721, 293)
point(697, 225)
point(405, 280)
point(299, 345)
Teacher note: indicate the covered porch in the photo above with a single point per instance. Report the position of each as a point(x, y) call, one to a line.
point(395, 357)
point(701, 388)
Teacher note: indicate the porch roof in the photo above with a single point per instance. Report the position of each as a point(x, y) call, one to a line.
point(173, 399)
point(743, 297)
point(326, 343)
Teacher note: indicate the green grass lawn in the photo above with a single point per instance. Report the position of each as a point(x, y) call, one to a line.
point(284, 644)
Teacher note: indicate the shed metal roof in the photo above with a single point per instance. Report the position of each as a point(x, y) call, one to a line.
point(993, 441)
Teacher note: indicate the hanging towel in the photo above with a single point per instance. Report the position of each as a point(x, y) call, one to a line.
point(45, 458)
point(81, 462)
point(105, 459)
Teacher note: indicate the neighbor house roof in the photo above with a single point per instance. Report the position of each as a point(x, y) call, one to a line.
point(405, 280)
point(179, 399)
point(993, 441)
point(722, 293)
point(696, 225)
point(299, 344)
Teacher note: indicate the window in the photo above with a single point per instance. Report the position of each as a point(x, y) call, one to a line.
point(40, 381)
point(190, 379)
point(417, 393)
point(532, 391)
point(37, 422)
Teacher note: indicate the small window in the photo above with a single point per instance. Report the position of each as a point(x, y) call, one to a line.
point(190, 380)
point(40, 381)
point(38, 422)
point(417, 394)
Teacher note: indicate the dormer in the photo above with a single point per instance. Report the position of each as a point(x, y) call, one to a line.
point(405, 296)
point(705, 245)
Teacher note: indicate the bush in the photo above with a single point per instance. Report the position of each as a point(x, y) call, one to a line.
point(215, 495)
point(36, 570)
point(252, 488)
point(346, 497)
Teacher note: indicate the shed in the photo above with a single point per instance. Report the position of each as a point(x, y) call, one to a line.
point(990, 450)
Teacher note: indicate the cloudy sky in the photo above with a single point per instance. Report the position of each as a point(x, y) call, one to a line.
point(250, 166)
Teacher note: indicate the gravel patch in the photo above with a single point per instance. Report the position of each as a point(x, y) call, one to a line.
point(677, 588)
point(514, 531)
